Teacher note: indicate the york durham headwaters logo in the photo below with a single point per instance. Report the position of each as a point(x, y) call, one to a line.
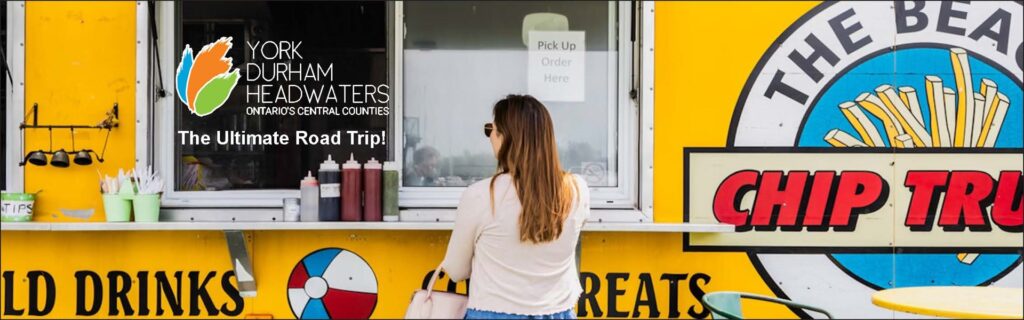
point(205, 82)
point(277, 79)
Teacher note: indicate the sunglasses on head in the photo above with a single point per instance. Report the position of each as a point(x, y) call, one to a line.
point(488, 128)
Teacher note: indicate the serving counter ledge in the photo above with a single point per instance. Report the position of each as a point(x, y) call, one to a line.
point(257, 219)
point(234, 222)
point(256, 226)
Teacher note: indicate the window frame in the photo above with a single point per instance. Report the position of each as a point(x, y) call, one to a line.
point(626, 115)
point(628, 201)
point(168, 14)
point(14, 106)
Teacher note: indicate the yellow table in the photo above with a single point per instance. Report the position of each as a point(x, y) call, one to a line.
point(954, 302)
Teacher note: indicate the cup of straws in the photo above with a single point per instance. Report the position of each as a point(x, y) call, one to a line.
point(138, 189)
point(116, 193)
point(147, 198)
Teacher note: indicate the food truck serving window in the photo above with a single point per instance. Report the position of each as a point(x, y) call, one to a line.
point(460, 57)
point(265, 91)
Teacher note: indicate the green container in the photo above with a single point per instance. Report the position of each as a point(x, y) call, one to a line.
point(390, 193)
point(16, 207)
point(117, 208)
point(147, 208)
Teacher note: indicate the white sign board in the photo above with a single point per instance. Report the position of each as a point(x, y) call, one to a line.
point(856, 198)
point(556, 67)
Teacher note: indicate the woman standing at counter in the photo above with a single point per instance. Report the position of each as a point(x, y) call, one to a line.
point(517, 231)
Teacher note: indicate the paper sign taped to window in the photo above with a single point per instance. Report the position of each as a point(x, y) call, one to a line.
point(556, 68)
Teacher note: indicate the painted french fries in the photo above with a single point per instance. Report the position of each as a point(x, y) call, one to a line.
point(873, 105)
point(904, 141)
point(909, 97)
point(967, 258)
point(937, 111)
point(839, 138)
point(964, 97)
point(950, 97)
point(979, 114)
point(903, 115)
point(956, 117)
point(862, 124)
point(994, 122)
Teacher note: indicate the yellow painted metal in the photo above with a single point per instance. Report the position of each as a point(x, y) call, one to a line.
point(80, 60)
point(704, 53)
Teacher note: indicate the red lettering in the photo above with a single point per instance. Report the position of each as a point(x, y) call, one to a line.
point(771, 194)
point(965, 201)
point(924, 199)
point(818, 198)
point(1009, 194)
point(858, 192)
point(823, 200)
point(729, 194)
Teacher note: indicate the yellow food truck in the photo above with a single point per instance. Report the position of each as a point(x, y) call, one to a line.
point(157, 154)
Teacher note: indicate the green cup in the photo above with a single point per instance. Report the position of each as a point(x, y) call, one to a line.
point(117, 208)
point(147, 208)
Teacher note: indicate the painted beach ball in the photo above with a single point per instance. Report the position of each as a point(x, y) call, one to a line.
point(332, 283)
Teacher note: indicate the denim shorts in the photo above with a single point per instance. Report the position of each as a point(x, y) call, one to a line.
point(482, 314)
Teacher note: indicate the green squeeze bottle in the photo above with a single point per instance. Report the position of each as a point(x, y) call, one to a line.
point(389, 194)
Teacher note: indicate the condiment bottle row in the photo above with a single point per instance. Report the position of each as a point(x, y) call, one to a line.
point(351, 191)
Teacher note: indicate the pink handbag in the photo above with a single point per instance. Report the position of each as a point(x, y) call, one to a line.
point(430, 304)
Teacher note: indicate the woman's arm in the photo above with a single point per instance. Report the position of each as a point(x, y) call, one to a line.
point(459, 258)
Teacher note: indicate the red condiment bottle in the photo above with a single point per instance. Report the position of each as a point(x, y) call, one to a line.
point(351, 190)
point(372, 190)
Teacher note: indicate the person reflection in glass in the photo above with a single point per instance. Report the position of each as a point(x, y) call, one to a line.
point(424, 171)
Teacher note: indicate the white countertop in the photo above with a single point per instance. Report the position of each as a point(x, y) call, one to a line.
point(221, 226)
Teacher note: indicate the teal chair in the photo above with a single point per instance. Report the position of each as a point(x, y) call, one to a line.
point(726, 304)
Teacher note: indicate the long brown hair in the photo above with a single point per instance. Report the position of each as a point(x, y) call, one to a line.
point(529, 154)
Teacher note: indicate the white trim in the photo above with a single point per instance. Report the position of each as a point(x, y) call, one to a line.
point(396, 46)
point(163, 109)
point(616, 82)
point(351, 226)
point(143, 89)
point(596, 215)
point(625, 195)
point(647, 109)
point(15, 104)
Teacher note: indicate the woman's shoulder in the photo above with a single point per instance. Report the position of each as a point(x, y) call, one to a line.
point(484, 185)
point(581, 184)
point(580, 181)
point(482, 189)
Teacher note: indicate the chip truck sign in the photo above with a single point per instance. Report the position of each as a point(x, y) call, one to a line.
point(831, 200)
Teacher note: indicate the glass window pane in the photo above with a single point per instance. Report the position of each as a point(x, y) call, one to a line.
point(3, 98)
point(290, 56)
point(461, 57)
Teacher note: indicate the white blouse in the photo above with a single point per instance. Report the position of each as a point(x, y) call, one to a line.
point(509, 275)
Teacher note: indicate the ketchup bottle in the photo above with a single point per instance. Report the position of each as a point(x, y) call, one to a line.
point(371, 191)
point(351, 190)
